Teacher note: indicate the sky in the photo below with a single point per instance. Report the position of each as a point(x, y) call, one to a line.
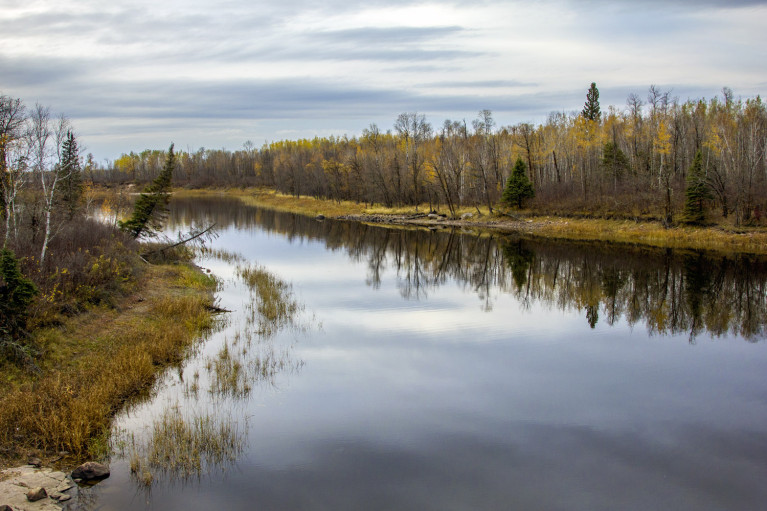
point(133, 75)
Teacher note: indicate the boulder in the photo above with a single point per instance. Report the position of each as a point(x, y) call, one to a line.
point(90, 471)
point(36, 494)
point(466, 216)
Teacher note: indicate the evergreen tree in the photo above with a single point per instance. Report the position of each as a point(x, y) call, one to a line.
point(152, 205)
point(518, 187)
point(71, 176)
point(614, 161)
point(591, 107)
point(696, 193)
point(16, 293)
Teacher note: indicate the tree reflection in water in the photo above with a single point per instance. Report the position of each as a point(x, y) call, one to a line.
point(671, 292)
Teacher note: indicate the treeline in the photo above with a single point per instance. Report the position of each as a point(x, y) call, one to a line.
point(631, 162)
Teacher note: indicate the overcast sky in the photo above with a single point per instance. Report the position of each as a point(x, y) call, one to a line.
point(142, 74)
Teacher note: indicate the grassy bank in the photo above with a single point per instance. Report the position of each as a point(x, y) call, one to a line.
point(716, 238)
point(95, 362)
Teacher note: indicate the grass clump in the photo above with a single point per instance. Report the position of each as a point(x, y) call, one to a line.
point(272, 306)
point(183, 446)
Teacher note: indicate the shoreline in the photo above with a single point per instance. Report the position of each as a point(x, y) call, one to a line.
point(716, 238)
point(97, 362)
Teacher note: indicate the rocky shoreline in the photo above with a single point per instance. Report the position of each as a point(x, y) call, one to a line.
point(437, 221)
point(31, 488)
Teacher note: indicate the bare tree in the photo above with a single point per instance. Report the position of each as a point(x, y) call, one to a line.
point(14, 155)
point(41, 136)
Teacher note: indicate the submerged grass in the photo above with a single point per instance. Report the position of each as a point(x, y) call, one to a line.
point(98, 361)
point(272, 305)
point(184, 446)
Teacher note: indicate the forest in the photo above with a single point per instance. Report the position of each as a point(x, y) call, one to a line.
point(637, 161)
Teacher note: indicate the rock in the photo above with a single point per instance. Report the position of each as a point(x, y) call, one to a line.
point(6, 507)
point(35, 462)
point(466, 216)
point(320, 217)
point(15, 483)
point(90, 471)
point(433, 216)
point(36, 494)
point(61, 497)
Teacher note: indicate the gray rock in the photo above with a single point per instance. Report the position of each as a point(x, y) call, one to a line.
point(90, 471)
point(61, 497)
point(35, 462)
point(6, 507)
point(466, 216)
point(36, 494)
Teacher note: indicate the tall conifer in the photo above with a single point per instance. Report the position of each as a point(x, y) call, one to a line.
point(696, 193)
point(591, 109)
point(71, 176)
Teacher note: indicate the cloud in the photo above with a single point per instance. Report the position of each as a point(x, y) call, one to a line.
point(308, 67)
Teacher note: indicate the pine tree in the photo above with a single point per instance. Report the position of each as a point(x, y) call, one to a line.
point(151, 206)
point(71, 176)
point(518, 187)
point(591, 107)
point(696, 193)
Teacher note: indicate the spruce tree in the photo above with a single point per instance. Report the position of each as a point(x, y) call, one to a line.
point(696, 193)
point(152, 205)
point(71, 176)
point(518, 187)
point(614, 161)
point(16, 293)
point(591, 107)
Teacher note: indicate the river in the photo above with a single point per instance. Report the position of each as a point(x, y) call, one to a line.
point(399, 369)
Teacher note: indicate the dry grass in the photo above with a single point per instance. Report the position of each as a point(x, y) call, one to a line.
point(311, 206)
point(183, 446)
point(651, 233)
point(98, 361)
point(272, 305)
point(722, 238)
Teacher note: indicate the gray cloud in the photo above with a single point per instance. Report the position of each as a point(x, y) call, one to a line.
point(159, 68)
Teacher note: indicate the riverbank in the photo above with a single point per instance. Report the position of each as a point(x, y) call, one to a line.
point(725, 239)
point(95, 362)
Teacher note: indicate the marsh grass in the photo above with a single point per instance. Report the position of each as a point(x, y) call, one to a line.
point(221, 254)
point(229, 377)
point(182, 446)
point(97, 363)
point(272, 305)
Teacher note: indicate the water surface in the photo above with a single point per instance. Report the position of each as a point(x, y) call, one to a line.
point(449, 370)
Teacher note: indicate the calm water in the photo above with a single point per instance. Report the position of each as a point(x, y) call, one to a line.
point(444, 370)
